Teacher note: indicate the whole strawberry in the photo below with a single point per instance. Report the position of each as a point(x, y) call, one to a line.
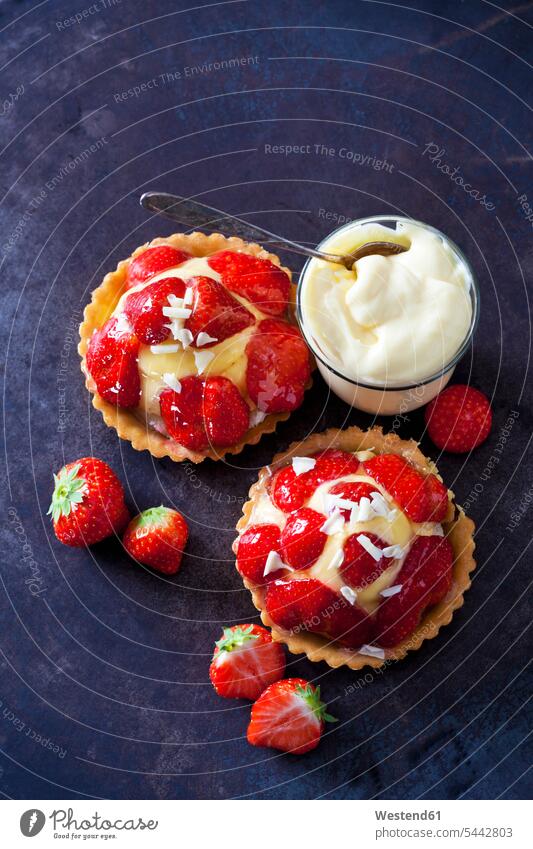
point(157, 538)
point(459, 419)
point(246, 660)
point(289, 716)
point(87, 503)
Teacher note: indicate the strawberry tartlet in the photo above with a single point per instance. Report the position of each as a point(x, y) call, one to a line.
point(190, 348)
point(353, 548)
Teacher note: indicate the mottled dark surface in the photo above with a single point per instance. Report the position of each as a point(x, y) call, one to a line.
point(107, 662)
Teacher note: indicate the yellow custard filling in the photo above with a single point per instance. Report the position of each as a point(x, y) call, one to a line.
point(226, 359)
point(394, 529)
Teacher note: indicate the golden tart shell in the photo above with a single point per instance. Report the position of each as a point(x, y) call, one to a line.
point(129, 426)
point(457, 527)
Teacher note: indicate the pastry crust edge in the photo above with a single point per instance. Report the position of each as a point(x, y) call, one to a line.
point(457, 527)
point(104, 300)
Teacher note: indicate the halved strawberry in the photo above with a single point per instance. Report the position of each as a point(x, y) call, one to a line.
point(156, 538)
point(215, 311)
point(182, 413)
point(112, 361)
point(258, 280)
point(206, 411)
point(226, 413)
point(289, 490)
point(422, 497)
point(309, 605)
point(254, 546)
point(278, 366)
point(246, 660)
point(425, 578)
point(153, 261)
point(302, 541)
point(352, 491)
point(144, 309)
point(87, 503)
point(359, 569)
point(289, 716)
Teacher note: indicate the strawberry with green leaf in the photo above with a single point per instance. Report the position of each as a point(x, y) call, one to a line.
point(87, 503)
point(289, 716)
point(246, 660)
point(156, 538)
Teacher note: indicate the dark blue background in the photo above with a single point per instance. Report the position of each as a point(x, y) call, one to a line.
point(110, 662)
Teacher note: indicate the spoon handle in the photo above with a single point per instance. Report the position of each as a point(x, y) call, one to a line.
point(193, 214)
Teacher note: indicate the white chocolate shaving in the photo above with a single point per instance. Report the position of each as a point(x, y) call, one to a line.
point(369, 546)
point(391, 590)
point(334, 524)
point(202, 360)
point(349, 595)
point(302, 464)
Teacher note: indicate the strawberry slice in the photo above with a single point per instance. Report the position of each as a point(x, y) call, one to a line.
point(425, 578)
point(246, 660)
point(258, 280)
point(310, 605)
point(215, 311)
point(112, 361)
point(153, 261)
point(359, 569)
point(156, 538)
point(289, 716)
point(422, 498)
point(459, 419)
point(278, 366)
point(302, 541)
point(254, 546)
point(289, 490)
point(352, 491)
point(205, 412)
point(144, 309)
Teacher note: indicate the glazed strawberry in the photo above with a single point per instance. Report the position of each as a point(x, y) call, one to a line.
point(459, 419)
point(144, 309)
point(153, 261)
point(226, 413)
point(289, 490)
point(278, 366)
point(429, 565)
point(422, 498)
point(182, 413)
point(215, 311)
point(302, 541)
point(351, 491)
point(258, 280)
point(359, 569)
point(87, 503)
point(425, 578)
point(289, 716)
point(205, 412)
point(112, 361)
point(246, 660)
point(310, 605)
point(254, 546)
point(156, 538)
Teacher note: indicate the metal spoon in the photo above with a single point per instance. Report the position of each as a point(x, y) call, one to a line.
point(193, 214)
